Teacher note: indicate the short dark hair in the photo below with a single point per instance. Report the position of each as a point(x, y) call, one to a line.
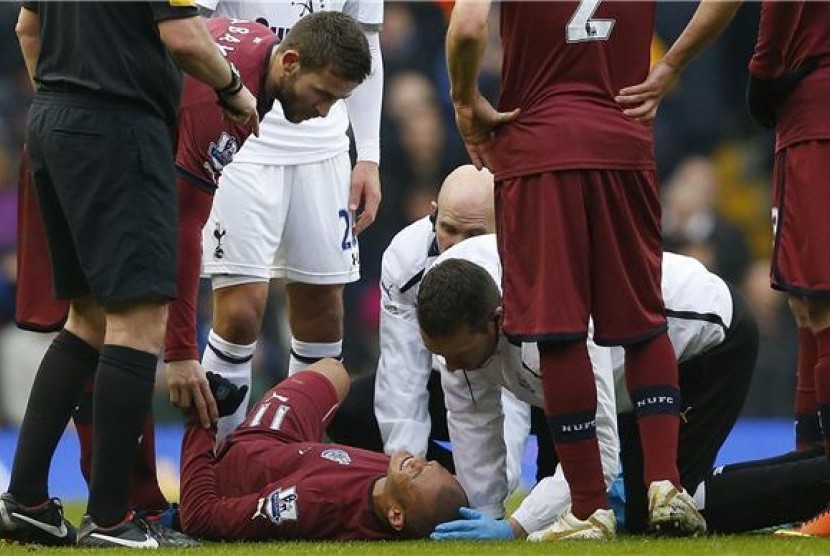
point(454, 293)
point(421, 521)
point(330, 40)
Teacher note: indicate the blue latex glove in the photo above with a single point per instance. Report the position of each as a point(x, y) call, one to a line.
point(616, 497)
point(474, 526)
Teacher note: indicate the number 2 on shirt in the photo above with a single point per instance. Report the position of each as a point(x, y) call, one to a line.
point(582, 28)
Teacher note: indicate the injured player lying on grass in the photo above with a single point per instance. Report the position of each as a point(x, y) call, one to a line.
point(273, 478)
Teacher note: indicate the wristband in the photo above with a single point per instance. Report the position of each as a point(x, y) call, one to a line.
point(234, 86)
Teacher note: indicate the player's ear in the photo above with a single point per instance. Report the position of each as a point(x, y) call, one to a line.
point(290, 60)
point(498, 314)
point(395, 516)
point(434, 215)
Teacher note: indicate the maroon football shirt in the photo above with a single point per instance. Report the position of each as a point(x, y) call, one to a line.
point(564, 62)
point(206, 140)
point(274, 479)
point(789, 33)
point(264, 489)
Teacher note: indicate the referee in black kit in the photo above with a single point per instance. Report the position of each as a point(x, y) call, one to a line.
point(107, 90)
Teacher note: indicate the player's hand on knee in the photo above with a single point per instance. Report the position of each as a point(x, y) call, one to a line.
point(190, 391)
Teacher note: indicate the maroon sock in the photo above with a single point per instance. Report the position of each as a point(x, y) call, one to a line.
point(807, 429)
point(823, 384)
point(652, 379)
point(571, 406)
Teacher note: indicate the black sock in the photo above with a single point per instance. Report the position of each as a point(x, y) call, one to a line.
point(122, 398)
point(58, 384)
point(747, 497)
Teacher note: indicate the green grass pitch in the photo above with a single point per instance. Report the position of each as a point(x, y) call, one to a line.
point(753, 545)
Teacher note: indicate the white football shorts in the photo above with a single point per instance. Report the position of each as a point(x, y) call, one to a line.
point(290, 222)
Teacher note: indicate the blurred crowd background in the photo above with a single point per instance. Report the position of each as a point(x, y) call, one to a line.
point(715, 166)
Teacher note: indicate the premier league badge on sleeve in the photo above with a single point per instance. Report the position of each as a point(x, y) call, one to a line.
point(279, 506)
point(337, 456)
point(221, 152)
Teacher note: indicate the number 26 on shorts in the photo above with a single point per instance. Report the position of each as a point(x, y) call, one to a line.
point(349, 241)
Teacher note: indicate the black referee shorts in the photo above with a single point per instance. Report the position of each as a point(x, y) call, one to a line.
point(713, 387)
point(104, 175)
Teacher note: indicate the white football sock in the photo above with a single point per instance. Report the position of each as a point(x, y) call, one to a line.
point(700, 496)
point(233, 362)
point(304, 354)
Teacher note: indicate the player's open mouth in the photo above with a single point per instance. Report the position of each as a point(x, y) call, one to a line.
point(406, 461)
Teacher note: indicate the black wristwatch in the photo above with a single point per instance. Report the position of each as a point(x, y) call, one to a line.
point(234, 86)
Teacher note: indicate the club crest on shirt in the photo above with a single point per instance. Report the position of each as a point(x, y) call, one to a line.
point(221, 152)
point(279, 506)
point(337, 456)
point(218, 234)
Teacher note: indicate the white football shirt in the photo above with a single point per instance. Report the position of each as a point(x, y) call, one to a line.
point(281, 142)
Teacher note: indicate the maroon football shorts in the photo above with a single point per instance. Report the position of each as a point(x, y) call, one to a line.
point(36, 307)
point(577, 243)
point(801, 218)
point(298, 409)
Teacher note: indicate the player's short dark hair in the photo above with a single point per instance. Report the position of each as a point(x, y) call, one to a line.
point(330, 40)
point(443, 507)
point(454, 293)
